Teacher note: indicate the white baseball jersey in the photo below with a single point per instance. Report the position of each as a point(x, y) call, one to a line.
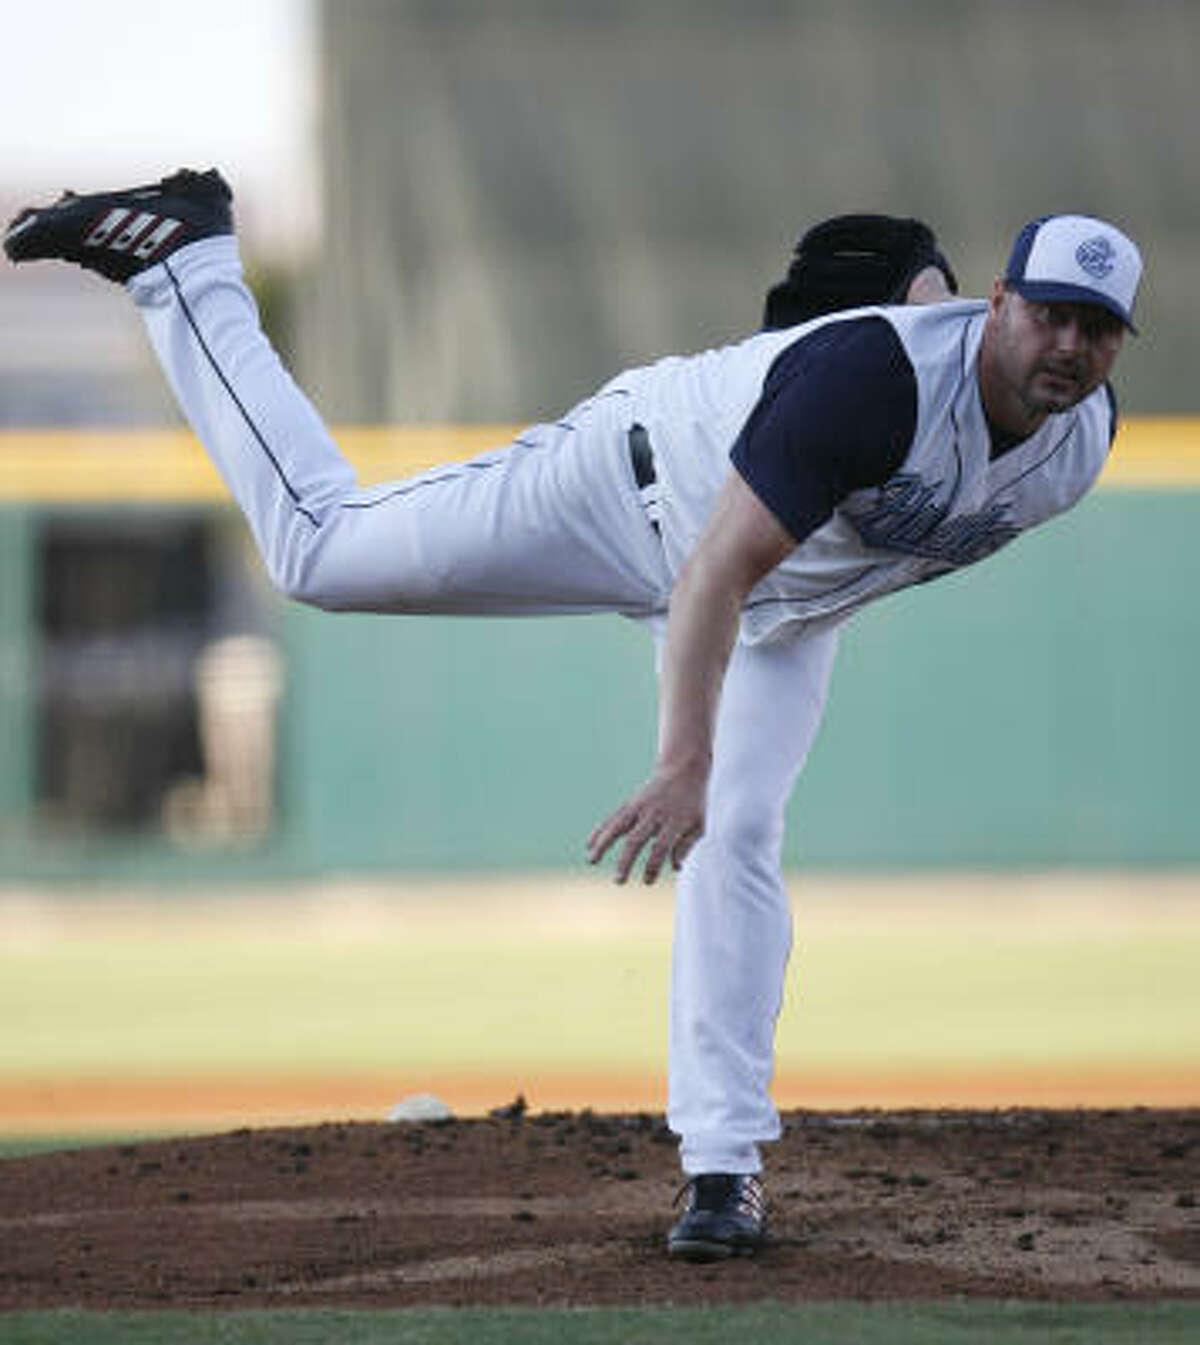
point(949, 502)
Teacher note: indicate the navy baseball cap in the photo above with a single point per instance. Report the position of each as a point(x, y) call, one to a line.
point(1076, 259)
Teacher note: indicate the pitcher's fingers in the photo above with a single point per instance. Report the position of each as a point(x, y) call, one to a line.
point(634, 844)
point(608, 831)
point(681, 848)
point(657, 857)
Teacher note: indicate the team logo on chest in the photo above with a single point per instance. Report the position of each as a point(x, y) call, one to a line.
point(905, 515)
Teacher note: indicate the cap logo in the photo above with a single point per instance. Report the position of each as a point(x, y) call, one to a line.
point(1096, 256)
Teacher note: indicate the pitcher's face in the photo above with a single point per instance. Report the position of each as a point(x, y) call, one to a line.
point(1049, 356)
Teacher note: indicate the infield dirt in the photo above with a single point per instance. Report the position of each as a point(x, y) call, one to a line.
point(520, 1208)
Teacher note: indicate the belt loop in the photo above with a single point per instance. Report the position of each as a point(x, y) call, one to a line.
point(641, 456)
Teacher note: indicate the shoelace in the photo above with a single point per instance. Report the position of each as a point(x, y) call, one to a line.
point(751, 1198)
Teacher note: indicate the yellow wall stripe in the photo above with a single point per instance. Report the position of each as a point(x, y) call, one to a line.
point(1154, 452)
point(169, 467)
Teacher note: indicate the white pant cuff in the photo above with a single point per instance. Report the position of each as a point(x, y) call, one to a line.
point(740, 1160)
point(153, 286)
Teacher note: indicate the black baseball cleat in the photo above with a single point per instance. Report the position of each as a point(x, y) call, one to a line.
point(120, 233)
point(726, 1216)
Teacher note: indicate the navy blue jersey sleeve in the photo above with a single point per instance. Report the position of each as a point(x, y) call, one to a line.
point(838, 413)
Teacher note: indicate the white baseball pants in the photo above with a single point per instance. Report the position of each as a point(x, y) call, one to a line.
point(733, 920)
point(553, 523)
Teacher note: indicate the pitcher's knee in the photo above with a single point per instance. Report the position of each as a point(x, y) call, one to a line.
point(318, 589)
point(304, 568)
point(294, 577)
point(746, 825)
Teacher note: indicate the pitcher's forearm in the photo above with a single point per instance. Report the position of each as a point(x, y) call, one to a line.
point(700, 634)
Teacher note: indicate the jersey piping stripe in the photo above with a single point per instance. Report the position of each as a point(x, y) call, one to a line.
point(1055, 448)
point(958, 462)
point(409, 487)
point(865, 573)
point(237, 401)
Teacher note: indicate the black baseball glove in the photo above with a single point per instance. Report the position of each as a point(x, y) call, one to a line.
point(851, 261)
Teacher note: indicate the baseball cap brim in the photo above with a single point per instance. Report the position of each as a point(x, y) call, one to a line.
point(1057, 292)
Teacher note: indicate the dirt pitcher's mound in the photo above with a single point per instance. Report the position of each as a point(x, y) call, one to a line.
point(572, 1208)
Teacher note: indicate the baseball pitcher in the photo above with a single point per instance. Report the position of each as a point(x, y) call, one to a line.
point(742, 503)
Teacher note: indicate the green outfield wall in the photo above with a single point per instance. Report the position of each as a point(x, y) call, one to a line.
point(1039, 709)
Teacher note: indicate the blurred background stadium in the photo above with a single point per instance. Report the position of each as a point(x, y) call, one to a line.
point(467, 216)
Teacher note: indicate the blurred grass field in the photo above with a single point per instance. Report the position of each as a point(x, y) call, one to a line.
point(814, 1323)
point(277, 1005)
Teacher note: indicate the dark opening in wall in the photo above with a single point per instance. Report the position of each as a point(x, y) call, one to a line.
point(136, 678)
